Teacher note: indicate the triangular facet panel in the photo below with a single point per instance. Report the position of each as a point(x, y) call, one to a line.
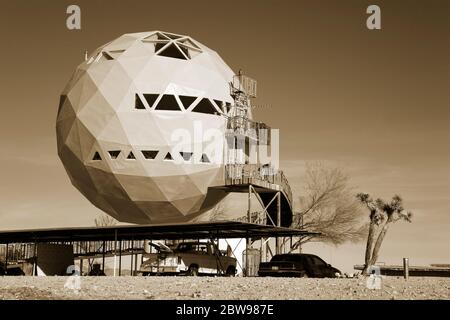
point(116, 53)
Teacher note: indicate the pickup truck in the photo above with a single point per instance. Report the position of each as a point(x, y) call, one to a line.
point(188, 258)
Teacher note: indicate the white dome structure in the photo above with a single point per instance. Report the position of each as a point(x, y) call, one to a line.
point(116, 118)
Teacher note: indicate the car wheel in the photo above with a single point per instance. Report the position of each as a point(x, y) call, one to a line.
point(231, 272)
point(193, 271)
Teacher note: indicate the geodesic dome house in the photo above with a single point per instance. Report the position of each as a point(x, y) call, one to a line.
point(128, 127)
point(116, 117)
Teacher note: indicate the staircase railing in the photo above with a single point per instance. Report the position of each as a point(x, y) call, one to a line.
point(245, 173)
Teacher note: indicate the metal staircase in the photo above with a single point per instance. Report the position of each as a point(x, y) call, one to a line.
point(246, 174)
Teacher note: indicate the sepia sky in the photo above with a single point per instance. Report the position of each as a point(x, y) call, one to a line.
point(374, 102)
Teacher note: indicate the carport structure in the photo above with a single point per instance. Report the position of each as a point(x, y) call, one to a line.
point(121, 240)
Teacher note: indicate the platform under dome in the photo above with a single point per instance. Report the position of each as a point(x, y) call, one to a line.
point(115, 123)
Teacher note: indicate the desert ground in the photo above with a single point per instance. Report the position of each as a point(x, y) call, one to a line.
point(209, 288)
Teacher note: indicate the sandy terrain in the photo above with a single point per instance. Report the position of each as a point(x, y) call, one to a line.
point(221, 288)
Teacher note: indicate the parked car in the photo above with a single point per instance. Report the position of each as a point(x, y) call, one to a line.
point(188, 258)
point(298, 265)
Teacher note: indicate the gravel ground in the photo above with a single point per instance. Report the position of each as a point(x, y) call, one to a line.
point(221, 288)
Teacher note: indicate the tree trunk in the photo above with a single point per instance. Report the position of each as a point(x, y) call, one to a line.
point(369, 245)
point(377, 246)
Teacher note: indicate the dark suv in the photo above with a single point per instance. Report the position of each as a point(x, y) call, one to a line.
point(297, 265)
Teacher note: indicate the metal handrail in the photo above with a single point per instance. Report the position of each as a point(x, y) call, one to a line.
point(243, 172)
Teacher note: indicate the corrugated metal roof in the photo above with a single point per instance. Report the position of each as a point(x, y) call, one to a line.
point(224, 229)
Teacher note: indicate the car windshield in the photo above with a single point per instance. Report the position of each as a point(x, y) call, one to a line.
point(317, 261)
point(193, 247)
point(285, 258)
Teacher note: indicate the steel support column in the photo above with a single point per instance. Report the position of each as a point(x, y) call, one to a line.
point(115, 251)
point(35, 267)
point(120, 257)
point(131, 257)
point(248, 244)
point(135, 263)
point(277, 239)
point(103, 256)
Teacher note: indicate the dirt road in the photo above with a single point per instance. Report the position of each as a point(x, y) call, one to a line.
point(221, 288)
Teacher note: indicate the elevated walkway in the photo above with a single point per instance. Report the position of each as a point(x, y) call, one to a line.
point(270, 187)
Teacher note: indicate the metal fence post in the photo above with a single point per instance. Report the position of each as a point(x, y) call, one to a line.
point(6, 258)
point(406, 268)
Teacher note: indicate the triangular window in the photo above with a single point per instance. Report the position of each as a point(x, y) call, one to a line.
point(185, 50)
point(149, 154)
point(173, 45)
point(161, 44)
point(187, 100)
point(172, 51)
point(204, 158)
point(114, 154)
point(205, 106)
point(138, 104)
point(151, 98)
point(168, 102)
point(96, 156)
point(168, 156)
point(131, 156)
point(227, 106)
point(186, 155)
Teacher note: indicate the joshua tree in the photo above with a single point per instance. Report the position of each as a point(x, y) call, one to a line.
point(382, 214)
